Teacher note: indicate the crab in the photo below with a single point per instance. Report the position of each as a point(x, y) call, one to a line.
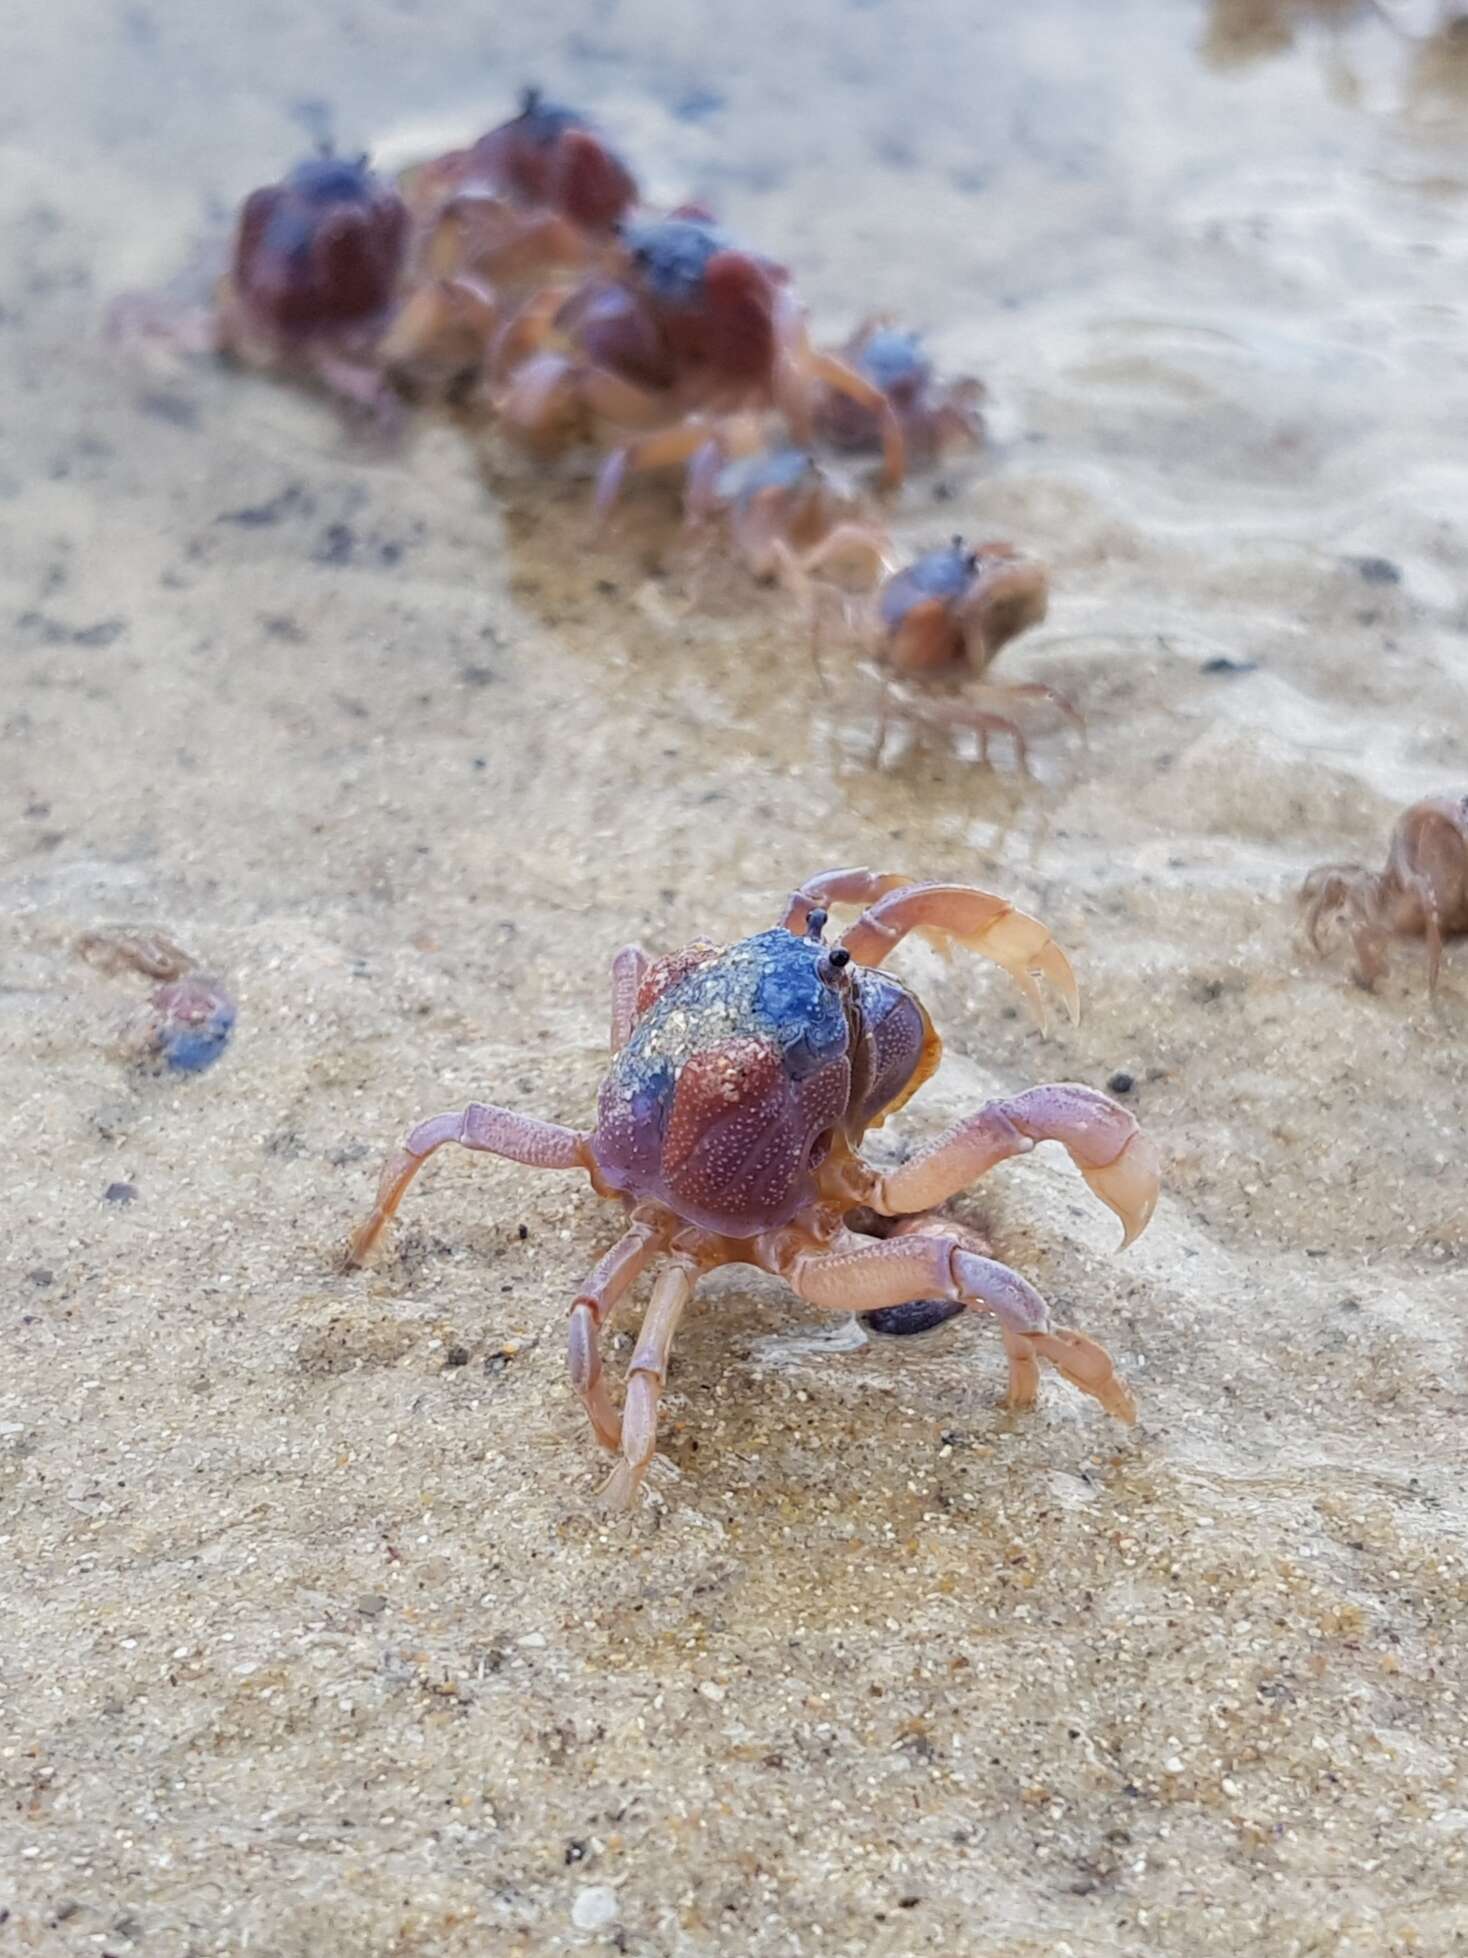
point(742, 1082)
point(527, 194)
point(775, 504)
point(934, 415)
point(689, 323)
point(936, 623)
point(1422, 890)
point(189, 1017)
point(536, 200)
point(318, 259)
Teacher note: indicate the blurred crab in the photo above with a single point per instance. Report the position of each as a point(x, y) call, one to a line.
point(535, 200)
point(688, 324)
point(775, 504)
point(933, 415)
point(742, 1082)
point(940, 621)
point(318, 258)
point(189, 1017)
point(1422, 890)
point(526, 196)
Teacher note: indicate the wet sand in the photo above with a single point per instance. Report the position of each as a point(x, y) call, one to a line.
point(314, 1640)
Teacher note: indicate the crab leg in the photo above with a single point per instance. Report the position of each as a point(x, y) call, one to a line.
point(949, 713)
point(665, 450)
point(798, 367)
point(497, 1131)
point(1118, 1161)
point(858, 1275)
point(645, 1378)
point(628, 1258)
point(851, 541)
point(844, 379)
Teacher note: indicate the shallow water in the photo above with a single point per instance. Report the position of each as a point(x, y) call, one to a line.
point(314, 1640)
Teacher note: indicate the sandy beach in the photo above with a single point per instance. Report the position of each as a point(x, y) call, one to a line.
point(313, 1640)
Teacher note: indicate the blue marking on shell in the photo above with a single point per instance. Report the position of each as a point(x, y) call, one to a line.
point(673, 253)
point(894, 358)
point(195, 1045)
point(944, 573)
point(326, 180)
point(802, 1013)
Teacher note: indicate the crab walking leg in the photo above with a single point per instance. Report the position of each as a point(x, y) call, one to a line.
point(984, 923)
point(645, 1377)
point(799, 368)
point(665, 450)
point(622, 1266)
point(842, 378)
point(496, 1131)
point(952, 713)
point(1118, 1161)
point(628, 968)
point(860, 1276)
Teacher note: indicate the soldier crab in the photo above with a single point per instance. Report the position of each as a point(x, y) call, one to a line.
point(743, 1080)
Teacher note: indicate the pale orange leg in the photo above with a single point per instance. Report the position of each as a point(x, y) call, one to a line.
point(949, 712)
point(593, 1305)
point(128, 950)
point(864, 543)
point(799, 371)
point(667, 449)
point(646, 1376)
point(525, 333)
point(844, 379)
point(497, 1131)
point(1117, 1160)
point(857, 1275)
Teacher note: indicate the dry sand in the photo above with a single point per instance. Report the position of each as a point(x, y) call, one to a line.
point(314, 1641)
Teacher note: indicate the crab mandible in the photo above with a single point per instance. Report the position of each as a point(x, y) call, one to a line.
point(743, 1080)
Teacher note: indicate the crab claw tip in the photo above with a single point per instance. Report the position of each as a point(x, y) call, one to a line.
point(1129, 1185)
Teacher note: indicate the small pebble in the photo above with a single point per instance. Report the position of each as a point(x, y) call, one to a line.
point(1122, 1083)
point(1223, 664)
point(595, 1908)
point(119, 1193)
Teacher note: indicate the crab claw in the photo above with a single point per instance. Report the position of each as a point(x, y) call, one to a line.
point(1121, 1164)
point(1130, 1184)
point(949, 914)
point(1012, 939)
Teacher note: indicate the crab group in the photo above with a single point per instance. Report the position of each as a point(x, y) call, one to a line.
point(520, 283)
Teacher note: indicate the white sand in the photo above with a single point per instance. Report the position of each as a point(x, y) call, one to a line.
point(314, 1643)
